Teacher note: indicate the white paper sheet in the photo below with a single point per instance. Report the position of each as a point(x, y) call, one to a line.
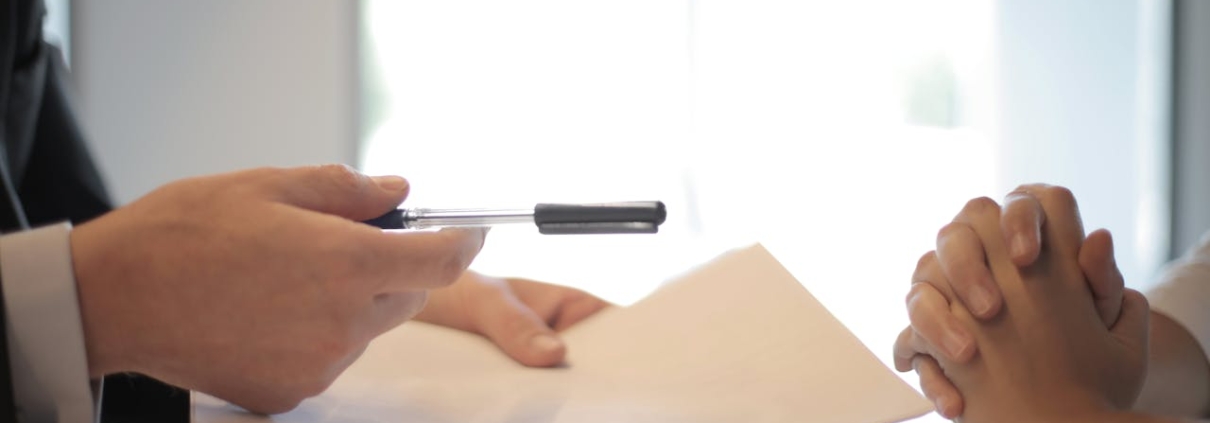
point(736, 340)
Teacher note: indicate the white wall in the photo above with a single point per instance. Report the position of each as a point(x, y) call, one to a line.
point(1082, 102)
point(178, 88)
point(170, 89)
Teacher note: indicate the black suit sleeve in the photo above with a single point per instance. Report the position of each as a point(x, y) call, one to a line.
point(61, 182)
point(9, 204)
point(47, 175)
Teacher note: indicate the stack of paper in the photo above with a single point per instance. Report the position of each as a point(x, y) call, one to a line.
point(737, 340)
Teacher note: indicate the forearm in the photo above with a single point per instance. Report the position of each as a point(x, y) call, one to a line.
point(1178, 376)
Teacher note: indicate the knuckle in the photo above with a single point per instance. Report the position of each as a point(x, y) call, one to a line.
point(342, 175)
point(928, 272)
point(1059, 197)
point(1030, 187)
point(1061, 192)
point(926, 260)
point(949, 231)
point(903, 343)
point(981, 205)
point(915, 298)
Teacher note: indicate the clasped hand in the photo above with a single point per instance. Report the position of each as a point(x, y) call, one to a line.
point(1016, 316)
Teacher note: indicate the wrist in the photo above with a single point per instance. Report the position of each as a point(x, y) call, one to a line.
point(102, 338)
point(1046, 405)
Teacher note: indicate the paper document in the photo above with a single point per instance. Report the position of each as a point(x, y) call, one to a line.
point(736, 340)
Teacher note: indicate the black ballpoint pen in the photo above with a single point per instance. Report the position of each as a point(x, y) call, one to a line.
point(635, 217)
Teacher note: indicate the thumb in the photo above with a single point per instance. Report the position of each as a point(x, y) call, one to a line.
point(339, 190)
point(1133, 323)
point(1104, 279)
point(520, 333)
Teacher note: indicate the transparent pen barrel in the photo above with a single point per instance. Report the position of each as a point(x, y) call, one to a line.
point(427, 218)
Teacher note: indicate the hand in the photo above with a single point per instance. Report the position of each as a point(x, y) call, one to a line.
point(958, 268)
point(1023, 222)
point(520, 316)
point(259, 287)
point(1048, 356)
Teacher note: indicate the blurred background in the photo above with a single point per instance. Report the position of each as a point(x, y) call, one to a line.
point(841, 135)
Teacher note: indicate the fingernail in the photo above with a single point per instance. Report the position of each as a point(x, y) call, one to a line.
point(942, 405)
point(545, 342)
point(391, 182)
point(980, 301)
point(1020, 245)
point(955, 344)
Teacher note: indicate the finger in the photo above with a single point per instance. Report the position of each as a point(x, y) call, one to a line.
point(1104, 279)
point(560, 306)
point(964, 263)
point(575, 310)
point(1063, 230)
point(393, 308)
point(1021, 222)
point(928, 270)
point(938, 388)
point(982, 215)
point(1134, 321)
point(338, 190)
point(932, 320)
point(519, 332)
point(422, 260)
point(908, 345)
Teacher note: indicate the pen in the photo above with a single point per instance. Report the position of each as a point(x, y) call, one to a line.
point(634, 217)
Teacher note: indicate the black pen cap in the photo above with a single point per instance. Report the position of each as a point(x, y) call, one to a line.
point(604, 218)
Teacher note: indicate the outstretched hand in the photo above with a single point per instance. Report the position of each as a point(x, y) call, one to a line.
point(520, 316)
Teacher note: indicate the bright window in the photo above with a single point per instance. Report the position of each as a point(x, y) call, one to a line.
point(841, 134)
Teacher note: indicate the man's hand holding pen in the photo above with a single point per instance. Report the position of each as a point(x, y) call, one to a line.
point(260, 287)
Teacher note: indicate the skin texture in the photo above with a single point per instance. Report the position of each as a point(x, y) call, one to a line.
point(522, 317)
point(1048, 356)
point(1178, 379)
point(260, 287)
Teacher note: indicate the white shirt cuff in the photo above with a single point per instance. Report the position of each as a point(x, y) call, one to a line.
point(45, 331)
point(1183, 293)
